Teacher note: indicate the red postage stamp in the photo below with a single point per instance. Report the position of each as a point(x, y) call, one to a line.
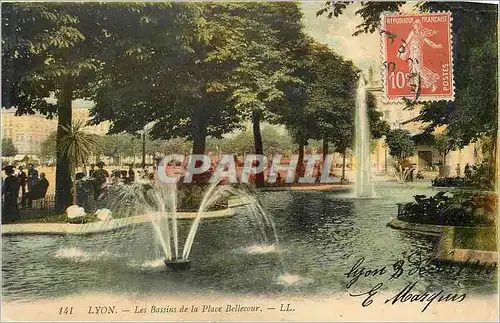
point(417, 57)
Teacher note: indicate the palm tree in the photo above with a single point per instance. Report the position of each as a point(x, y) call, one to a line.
point(77, 145)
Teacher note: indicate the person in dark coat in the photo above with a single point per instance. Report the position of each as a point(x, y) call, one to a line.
point(131, 174)
point(82, 191)
point(467, 171)
point(32, 176)
point(23, 181)
point(100, 176)
point(92, 170)
point(38, 191)
point(10, 194)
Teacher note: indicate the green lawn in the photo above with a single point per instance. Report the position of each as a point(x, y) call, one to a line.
point(476, 238)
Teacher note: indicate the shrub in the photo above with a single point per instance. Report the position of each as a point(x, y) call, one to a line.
point(191, 195)
point(480, 175)
point(451, 182)
point(461, 209)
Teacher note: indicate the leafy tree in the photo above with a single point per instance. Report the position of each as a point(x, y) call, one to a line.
point(293, 110)
point(117, 146)
point(8, 148)
point(378, 126)
point(226, 66)
point(186, 95)
point(272, 32)
point(47, 150)
point(331, 96)
point(401, 146)
point(177, 146)
point(33, 37)
point(444, 144)
point(243, 142)
point(57, 48)
point(324, 104)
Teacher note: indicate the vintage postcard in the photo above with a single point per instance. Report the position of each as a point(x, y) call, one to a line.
point(249, 161)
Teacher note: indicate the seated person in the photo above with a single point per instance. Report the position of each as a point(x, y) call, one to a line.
point(123, 177)
point(38, 191)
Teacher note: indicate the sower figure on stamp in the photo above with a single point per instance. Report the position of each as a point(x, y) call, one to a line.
point(412, 51)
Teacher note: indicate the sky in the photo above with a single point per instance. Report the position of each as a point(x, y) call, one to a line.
point(364, 50)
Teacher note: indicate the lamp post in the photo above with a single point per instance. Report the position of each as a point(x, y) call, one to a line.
point(133, 152)
point(145, 129)
point(144, 148)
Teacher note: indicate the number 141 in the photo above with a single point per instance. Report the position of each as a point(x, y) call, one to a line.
point(66, 310)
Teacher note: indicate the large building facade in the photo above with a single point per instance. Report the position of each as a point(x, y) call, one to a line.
point(28, 132)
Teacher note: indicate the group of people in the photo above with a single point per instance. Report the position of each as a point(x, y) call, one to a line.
point(123, 176)
point(33, 186)
point(97, 180)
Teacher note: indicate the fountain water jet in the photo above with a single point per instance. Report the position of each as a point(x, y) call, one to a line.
point(159, 202)
point(401, 174)
point(364, 184)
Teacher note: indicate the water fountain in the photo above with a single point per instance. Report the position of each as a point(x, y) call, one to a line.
point(401, 174)
point(159, 202)
point(364, 185)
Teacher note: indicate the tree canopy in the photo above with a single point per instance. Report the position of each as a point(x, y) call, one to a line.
point(8, 148)
point(401, 146)
point(322, 105)
point(60, 50)
point(187, 71)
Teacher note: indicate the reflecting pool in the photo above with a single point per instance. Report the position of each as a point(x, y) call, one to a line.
point(321, 237)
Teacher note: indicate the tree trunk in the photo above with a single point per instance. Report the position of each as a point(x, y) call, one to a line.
point(300, 162)
point(492, 163)
point(343, 166)
point(444, 170)
point(301, 150)
point(259, 150)
point(199, 145)
point(199, 134)
point(74, 191)
point(84, 163)
point(325, 148)
point(63, 171)
point(144, 149)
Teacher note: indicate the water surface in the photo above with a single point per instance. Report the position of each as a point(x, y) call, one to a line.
point(321, 234)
